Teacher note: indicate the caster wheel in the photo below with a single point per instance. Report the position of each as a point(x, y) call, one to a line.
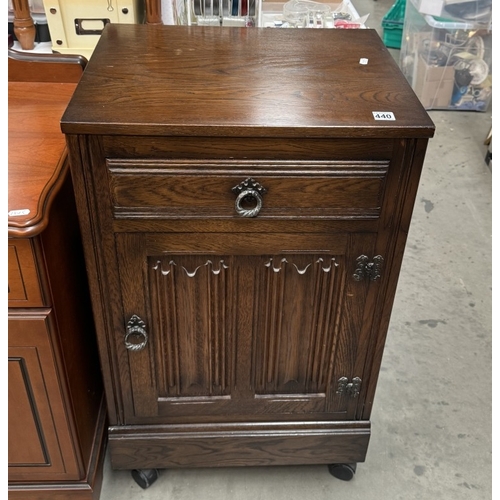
point(345, 472)
point(145, 477)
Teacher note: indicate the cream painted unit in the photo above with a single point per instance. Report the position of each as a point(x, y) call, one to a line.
point(75, 27)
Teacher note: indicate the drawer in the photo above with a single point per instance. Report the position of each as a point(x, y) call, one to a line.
point(208, 189)
point(24, 287)
point(40, 446)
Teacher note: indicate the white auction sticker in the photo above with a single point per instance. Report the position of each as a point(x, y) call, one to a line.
point(17, 213)
point(383, 115)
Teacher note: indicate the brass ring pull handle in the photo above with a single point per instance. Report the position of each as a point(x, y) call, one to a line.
point(247, 195)
point(248, 191)
point(136, 328)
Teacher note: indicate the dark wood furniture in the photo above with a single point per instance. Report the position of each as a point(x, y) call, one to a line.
point(57, 415)
point(245, 197)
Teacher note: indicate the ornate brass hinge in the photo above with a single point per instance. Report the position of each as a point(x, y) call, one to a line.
point(367, 269)
point(349, 388)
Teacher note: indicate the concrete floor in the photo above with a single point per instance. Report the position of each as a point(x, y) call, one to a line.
point(431, 422)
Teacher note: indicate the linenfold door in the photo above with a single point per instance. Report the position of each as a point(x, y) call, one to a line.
point(226, 326)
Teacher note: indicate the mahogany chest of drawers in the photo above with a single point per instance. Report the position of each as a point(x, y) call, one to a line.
point(245, 197)
point(56, 408)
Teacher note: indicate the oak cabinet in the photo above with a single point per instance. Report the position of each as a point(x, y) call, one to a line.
point(245, 220)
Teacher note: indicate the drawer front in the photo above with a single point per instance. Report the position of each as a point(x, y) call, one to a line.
point(213, 189)
point(24, 285)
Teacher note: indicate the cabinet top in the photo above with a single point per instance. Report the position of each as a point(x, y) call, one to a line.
point(246, 82)
point(37, 163)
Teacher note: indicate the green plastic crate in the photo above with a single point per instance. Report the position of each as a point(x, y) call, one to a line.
point(393, 34)
point(393, 23)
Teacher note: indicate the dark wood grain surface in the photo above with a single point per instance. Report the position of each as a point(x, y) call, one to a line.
point(237, 81)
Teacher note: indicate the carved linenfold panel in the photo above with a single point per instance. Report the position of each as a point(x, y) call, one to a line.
point(296, 332)
point(194, 324)
point(296, 301)
point(191, 273)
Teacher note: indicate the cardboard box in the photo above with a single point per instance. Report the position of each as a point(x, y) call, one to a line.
point(433, 84)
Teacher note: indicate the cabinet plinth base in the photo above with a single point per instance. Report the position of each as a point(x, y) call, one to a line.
point(227, 445)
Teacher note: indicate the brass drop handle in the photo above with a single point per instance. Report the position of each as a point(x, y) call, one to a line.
point(248, 191)
point(248, 195)
point(136, 329)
